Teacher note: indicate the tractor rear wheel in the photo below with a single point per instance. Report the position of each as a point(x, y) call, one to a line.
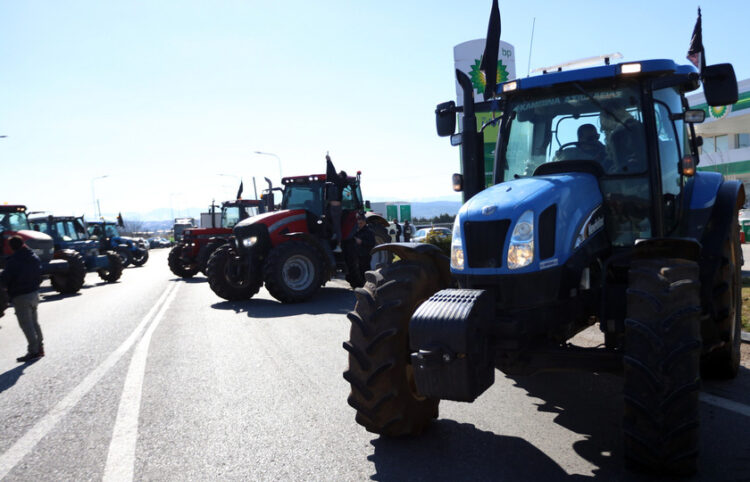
point(724, 362)
point(662, 366)
point(71, 281)
point(111, 273)
point(383, 390)
point(125, 256)
point(230, 277)
point(140, 257)
point(178, 266)
point(293, 271)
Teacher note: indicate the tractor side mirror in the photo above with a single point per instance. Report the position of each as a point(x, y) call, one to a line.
point(720, 85)
point(458, 182)
point(445, 118)
point(367, 204)
point(694, 116)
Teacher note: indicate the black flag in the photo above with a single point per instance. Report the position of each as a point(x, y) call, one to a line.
point(239, 191)
point(489, 57)
point(696, 53)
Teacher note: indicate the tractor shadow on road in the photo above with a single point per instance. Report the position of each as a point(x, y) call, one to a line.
point(9, 378)
point(329, 300)
point(450, 450)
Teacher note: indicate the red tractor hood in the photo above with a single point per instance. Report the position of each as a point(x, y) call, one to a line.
point(278, 222)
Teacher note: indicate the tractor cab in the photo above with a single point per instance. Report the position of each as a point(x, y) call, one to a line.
point(233, 212)
point(14, 221)
point(63, 229)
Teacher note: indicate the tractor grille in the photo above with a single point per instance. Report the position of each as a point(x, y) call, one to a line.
point(547, 226)
point(484, 242)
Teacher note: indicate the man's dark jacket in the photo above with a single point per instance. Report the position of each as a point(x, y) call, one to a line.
point(22, 273)
point(368, 241)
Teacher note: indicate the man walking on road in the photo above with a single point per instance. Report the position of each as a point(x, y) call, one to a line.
point(407, 231)
point(21, 277)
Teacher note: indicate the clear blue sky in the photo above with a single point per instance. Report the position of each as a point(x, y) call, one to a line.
point(162, 96)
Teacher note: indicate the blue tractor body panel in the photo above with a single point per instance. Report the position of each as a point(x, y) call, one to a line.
point(576, 196)
point(705, 187)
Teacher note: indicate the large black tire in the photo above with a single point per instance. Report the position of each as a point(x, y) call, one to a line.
point(71, 281)
point(206, 253)
point(724, 362)
point(662, 366)
point(383, 390)
point(293, 271)
point(111, 273)
point(140, 257)
point(229, 277)
point(125, 255)
point(178, 266)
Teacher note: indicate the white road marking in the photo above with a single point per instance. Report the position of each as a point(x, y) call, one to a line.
point(121, 458)
point(28, 441)
point(726, 404)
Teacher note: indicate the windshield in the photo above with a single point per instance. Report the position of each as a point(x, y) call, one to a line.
point(13, 221)
point(604, 126)
point(233, 214)
point(304, 196)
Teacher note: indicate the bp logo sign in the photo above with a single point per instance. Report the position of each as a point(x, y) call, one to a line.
point(477, 76)
point(719, 112)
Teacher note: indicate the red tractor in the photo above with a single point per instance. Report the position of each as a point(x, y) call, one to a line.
point(292, 250)
point(190, 254)
point(66, 268)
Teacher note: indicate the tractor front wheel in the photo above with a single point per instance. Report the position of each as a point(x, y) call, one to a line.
point(724, 362)
point(230, 277)
point(293, 271)
point(178, 266)
point(71, 281)
point(111, 273)
point(383, 389)
point(662, 366)
point(140, 257)
point(125, 256)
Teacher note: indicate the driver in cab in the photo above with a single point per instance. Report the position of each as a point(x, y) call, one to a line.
point(588, 147)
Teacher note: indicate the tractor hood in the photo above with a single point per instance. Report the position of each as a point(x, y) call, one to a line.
point(41, 243)
point(277, 222)
point(560, 206)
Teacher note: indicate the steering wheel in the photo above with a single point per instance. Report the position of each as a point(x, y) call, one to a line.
point(566, 145)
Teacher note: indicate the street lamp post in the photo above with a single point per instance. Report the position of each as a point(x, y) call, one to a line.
point(274, 155)
point(93, 196)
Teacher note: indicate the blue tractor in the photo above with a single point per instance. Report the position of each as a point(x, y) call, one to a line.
point(131, 250)
point(69, 232)
point(595, 215)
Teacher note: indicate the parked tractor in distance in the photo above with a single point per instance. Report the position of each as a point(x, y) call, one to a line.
point(69, 232)
point(190, 254)
point(65, 268)
point(576, 230)
point(131, 250)
point(291, 250)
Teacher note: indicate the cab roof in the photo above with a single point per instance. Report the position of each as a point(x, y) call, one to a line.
point(312, 178)
point(12, 208)
point(645, 68)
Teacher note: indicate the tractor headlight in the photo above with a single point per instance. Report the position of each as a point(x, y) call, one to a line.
point(521, 249)
point(248, 242)
point(457, 249)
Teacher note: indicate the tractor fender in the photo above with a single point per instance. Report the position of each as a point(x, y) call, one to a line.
point(730, 197)
point(424, 252)
point(683, 248)
point(376, 218)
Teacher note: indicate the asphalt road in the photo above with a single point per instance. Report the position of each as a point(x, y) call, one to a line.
point(154, 378)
